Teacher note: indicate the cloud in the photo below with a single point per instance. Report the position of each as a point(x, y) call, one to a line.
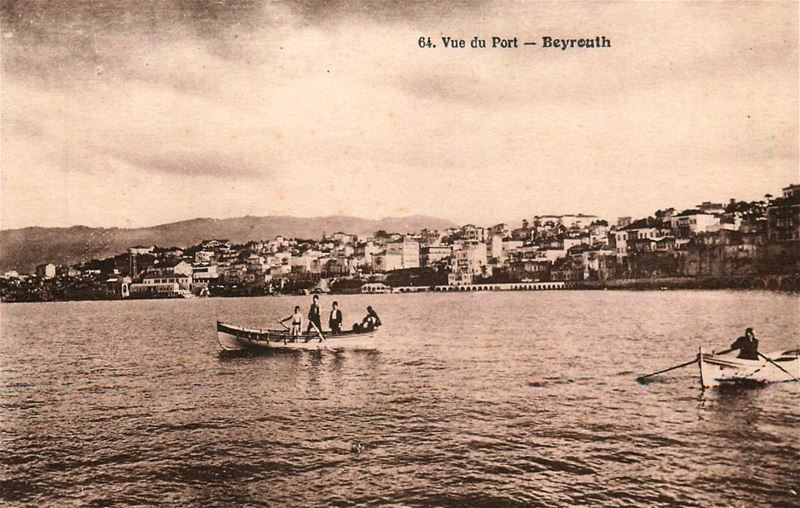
point(221, 108)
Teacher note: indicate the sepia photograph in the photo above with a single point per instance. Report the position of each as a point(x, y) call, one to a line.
point(399, 253)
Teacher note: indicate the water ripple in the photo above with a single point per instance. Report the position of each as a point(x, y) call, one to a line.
point(107, 403)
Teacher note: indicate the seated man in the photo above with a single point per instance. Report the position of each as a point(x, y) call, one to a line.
point(371, 320)
point(747, 345)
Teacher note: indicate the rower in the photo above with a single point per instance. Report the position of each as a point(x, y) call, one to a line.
point(747, 345)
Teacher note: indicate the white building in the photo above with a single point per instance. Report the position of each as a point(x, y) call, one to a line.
point(154, 290)
point(691, 222)
point(495, 248)
point(344, 238)
point(140, 249)
point(577, 221)
point(203, 256)
point(408, 250)
point(375, 287)
point(182, 280)
point(386, 262)
point(203, 275)
point(552, 253)
point(365, 252)
point(46, 271)
point(469, 259)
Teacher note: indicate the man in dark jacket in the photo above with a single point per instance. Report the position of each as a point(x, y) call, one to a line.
point(747, 345)
point(314, 322)
point(335, 319)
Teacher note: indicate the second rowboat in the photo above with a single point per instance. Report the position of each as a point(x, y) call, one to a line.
point(776, 367)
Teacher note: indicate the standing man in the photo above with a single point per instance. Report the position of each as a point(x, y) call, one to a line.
point(335, 319)
point(314, 322)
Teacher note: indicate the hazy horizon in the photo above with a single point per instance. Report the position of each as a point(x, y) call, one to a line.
point(144, 114)
point(513, 221)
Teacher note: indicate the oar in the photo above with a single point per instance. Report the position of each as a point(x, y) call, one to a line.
point(776, 364)
point(322, 337)
point(283, 325)
point(669, 369)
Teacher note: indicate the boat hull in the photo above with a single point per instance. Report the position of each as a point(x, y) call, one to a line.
point(724, 370)
point(236, 338)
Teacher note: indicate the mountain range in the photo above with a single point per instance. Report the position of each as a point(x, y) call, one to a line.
point(23, 249)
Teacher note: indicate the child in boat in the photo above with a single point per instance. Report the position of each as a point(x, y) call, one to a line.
point(747, 345)
point(297, 322)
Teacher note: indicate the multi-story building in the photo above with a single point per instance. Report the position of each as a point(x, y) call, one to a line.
point(783, 216)
point(530, 269)
point(510, 245)
point(302, 264)
point(578, 221)
point(598, 233)
point(502, 230)
point(460, 278)
point(791, 191)
point(204, 256)
point(204, 274)
point(469, 259)
point(641, 229)
point(280, 271)
point(140, 249)
point(710, 208)
point(386, 262)
point(495, 248)
point(431, 254)
point(574, 241)
point(339, 266)
point(171, 266)
point(67, 271)
point(586, 259)
point(216, 245)
point(691, 222)
point(551, 252)
point(256, 263)
point(364, 252)
point(46, 271)
point(344, 238)
point(472, 232)
point(408, 250)
point(183, 281)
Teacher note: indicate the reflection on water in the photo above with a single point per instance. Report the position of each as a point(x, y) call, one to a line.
point(478, 399)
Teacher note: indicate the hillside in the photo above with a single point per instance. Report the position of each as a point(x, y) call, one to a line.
point(23, 249)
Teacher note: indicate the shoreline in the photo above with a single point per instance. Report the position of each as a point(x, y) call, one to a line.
point(771, 283)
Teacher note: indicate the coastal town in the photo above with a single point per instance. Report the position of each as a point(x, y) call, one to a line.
point(738, 244)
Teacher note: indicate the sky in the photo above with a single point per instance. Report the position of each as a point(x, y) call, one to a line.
point(130, 114)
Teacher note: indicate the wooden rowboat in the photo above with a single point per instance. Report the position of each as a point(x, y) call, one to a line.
point(237, 338)
point(716, 370)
